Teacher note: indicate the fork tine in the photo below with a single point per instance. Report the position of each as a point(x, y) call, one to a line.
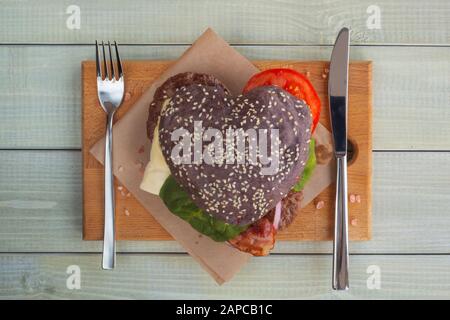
point(113, 75)
point(97, 61)
point(104, 62)
point(119, 63)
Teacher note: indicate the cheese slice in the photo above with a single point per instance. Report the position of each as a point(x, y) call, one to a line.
point(157, 170)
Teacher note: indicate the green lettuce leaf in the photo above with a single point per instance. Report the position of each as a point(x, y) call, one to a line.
point(309, 168)
point(180, 204)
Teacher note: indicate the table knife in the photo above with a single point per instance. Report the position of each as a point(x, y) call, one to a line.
point(338, 102)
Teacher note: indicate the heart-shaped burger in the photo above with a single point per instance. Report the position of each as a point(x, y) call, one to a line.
point(233, 188)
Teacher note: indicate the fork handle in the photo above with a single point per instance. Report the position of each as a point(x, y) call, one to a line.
point(340, 245)
point(109, 239)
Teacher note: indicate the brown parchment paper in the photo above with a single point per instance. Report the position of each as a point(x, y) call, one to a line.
point(209, 54)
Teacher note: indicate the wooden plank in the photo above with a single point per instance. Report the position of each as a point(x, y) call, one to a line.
point(308, 227)
point(41, 95)
point(158, 276)
point(40, 205)
point(238, 21)
point(409, 85)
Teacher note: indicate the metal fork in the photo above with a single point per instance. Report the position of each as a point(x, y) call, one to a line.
point(110, 94)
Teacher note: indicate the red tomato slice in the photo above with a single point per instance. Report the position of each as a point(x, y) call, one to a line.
point(293, 82)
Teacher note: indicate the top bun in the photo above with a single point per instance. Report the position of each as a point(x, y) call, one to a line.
point(237, 193)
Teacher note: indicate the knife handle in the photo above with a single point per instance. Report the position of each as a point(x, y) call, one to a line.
point(340, 245)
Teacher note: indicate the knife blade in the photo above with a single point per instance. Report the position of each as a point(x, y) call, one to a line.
point(338, 103)
point(338, 90)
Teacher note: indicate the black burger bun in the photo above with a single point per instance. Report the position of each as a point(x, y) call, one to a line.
point(236, 193)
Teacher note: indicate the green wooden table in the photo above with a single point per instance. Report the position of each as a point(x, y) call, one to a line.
point(41, 46)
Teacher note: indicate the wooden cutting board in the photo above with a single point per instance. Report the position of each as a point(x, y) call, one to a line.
point(133, 222)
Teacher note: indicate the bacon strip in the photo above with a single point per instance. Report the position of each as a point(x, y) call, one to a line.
point(258, 239)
